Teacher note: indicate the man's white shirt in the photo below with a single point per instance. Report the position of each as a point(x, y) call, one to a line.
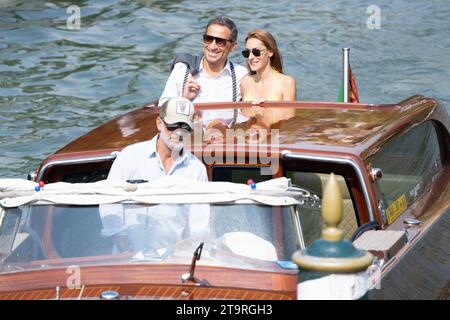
point(157, 226)
point(212, 89)
point(141, 161)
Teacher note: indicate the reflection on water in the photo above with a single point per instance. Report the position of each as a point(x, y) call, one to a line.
point(56, 83)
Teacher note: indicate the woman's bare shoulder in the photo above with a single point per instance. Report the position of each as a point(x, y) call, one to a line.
point(289, 87)
point(246, 81)
point(287, 79)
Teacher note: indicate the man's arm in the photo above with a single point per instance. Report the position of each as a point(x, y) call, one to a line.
point(116, 173)
point(174, 84)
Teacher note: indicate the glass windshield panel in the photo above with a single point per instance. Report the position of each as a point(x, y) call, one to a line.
point(246, 236)
point(311, 218)
point(409, 163)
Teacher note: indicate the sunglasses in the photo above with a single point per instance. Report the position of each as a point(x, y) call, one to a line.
point(221, 42)
point(178, 125)
point(256, 52)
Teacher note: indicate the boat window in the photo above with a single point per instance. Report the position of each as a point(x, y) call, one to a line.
point(315, 183)
point(78, 172)
point(247, 235)
point(409, 163)
point(238, 174)
point(8, 230)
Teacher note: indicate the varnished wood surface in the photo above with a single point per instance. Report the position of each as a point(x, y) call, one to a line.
point(317, 126)
point(283, 282)
point(148, 292)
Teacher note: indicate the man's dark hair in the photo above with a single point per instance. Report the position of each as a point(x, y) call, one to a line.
point(224, 21)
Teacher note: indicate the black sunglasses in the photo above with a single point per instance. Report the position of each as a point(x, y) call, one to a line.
point(178, 125)
point(256, 52)
point(221, 42)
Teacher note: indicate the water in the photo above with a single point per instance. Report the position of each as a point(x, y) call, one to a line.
point(57, 83)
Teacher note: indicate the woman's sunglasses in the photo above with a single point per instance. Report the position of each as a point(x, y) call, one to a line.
point(221, 42)
point(178, 125)
point(256, 52)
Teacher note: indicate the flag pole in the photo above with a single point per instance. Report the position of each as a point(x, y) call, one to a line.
point(346, 58)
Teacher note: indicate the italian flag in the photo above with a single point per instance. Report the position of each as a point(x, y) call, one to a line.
point(352, 89)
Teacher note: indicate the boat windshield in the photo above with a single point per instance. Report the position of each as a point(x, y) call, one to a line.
point(236, 235)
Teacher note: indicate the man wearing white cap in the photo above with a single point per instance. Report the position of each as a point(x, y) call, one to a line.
point(165, 153)
point(148, 161)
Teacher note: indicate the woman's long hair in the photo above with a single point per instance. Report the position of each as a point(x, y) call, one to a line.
point(270, 43)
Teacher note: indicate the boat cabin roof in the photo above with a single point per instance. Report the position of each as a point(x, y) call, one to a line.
point(356, 129)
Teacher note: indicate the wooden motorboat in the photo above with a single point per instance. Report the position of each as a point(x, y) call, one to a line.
point(391, 162)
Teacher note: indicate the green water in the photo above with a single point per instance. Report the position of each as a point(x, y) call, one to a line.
point(57, 83)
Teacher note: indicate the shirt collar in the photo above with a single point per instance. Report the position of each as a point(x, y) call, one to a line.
point(226, 68)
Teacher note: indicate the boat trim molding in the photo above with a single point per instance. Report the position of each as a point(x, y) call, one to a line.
point(287, 154)
point(46, 166)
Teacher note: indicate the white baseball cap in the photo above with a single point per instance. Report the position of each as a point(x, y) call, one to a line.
point(176, 110)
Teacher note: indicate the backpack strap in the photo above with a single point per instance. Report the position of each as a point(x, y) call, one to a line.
point(192, 63)
point(186, 75)
point(233, 79)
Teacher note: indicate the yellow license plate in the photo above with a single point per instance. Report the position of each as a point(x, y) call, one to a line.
point(396, 208)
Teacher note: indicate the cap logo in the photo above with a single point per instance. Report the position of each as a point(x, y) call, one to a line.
point(183, 108)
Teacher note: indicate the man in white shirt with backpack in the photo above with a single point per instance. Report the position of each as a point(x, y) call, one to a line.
point(210, 77)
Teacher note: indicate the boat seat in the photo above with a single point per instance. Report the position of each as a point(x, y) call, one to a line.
point(249, 245)
point(315, 183)
point(244, 225)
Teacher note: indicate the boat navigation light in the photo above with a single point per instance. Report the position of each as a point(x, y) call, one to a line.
point(32, 175)
point(109, 295)
point(412, 222)
point(376, 174)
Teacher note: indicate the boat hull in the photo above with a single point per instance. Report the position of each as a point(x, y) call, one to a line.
point(424, 271)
